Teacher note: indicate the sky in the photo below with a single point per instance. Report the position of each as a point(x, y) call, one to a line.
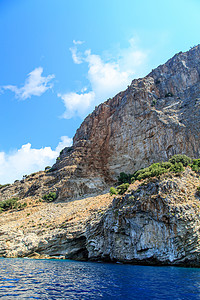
point(61, 58)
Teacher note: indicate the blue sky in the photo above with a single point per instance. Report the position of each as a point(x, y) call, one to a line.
point(61, 58)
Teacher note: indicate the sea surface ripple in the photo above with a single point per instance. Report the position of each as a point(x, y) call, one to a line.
point(64, 279)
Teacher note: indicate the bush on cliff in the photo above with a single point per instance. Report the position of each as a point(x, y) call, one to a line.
point(124, 178)
point(50, 197)
point(196, 165)
point(121, 189)
point(11, 203)
point(177, 168)
point(181, 158)
point(113, 191)
point(8, 204)
point(175, 164)
point(154, 170)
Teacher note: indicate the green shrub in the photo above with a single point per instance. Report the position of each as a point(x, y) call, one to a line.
point(175, 164)
point(185, 160)
point(50, 197)
point(21, 205)
point(121, 189)
point(154, 170)
point(177, 168)
point(124, 178)
point(166, 165)
point(196, 165)
point(9, 204)
point(113, 191)
point(144, 175)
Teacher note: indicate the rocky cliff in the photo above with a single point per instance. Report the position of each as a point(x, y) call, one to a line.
point(155, 222)
point(155, 118)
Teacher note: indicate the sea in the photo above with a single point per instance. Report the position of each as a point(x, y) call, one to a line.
point(65, 279)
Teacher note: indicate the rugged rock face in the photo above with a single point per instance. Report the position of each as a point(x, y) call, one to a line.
point(156, 223)
point(46, 230)
point(156, 117)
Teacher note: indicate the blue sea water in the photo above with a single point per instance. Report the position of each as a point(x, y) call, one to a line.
point(63, 279)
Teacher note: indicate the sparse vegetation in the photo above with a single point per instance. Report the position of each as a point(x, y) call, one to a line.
point(11, 203)
point(177, 168)
point(176, 164)
point(113, 191)
point(121, 189)
point(196, 165)
point(50, 197)
point(180, 158)
point(124, 178)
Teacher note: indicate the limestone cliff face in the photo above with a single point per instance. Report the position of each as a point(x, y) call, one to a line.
point(156, 117)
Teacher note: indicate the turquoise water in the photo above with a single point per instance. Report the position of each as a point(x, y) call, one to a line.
point(62, 279)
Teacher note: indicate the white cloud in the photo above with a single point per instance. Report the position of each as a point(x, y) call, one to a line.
point(78, 42)
point(35, 85)
point(77, 103)
point(77, 59)
point(76, 56)
point(106, 78)
point(27, 160)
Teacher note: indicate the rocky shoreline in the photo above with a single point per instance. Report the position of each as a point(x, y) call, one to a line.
point(155, 223)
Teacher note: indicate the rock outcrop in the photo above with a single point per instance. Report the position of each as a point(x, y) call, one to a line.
point(156, 223)
point(46, 230)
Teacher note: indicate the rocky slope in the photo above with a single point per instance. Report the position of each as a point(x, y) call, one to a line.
point(155, 222)
point(44, 230)
point(156, 117)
